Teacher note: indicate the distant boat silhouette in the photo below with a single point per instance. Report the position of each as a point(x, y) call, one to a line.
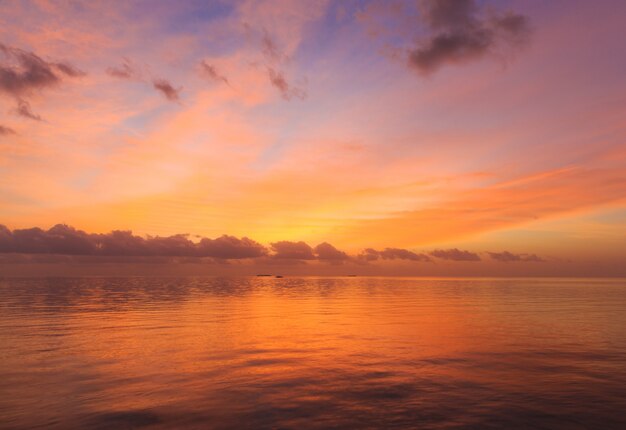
point(262, 274)
point(279, 276)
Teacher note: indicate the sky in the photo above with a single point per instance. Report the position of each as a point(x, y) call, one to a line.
point(435, 137)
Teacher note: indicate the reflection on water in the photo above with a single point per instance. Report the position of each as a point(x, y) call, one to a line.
point(312, 353)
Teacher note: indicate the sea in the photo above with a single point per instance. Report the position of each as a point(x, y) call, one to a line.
point(312, 353)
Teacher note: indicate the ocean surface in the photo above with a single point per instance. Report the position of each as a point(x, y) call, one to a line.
point(237, 353)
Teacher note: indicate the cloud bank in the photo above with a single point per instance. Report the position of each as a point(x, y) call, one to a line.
point(63, 239)
point(66, 240)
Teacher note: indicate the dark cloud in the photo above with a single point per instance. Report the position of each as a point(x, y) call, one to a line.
point(60, 239)
point(292, 250)
point(449, 14)
point(229, 247)
point(370, 254)
point(166, 88)
point(286, 91)
point(326, 252)
point(460, 33)
point(63, 239)
point(124, 71)
point(23, 109)
point(402, 254)
point(515, 28)
point(66, 240)
point(5, 131)
point(22, 73)
point(455, 255)
point(6, 239)
point(211, 72)
point(507, 257)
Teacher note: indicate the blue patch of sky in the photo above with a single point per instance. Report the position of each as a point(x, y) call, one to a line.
point(189, 18)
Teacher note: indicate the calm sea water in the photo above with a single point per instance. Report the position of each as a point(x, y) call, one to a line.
point(312, 353)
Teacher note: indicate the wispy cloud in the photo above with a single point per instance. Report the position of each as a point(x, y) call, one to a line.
point(270, 48)
point(167, 89)
point(23, 109)
point(275, 59)
point(129, 71)
point(287, 91)
point(6, 131)
point(126, 70)
point(210, 71)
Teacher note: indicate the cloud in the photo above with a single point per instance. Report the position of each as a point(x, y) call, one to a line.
point(125, 71)
point(270, 48)
point(459, 34)
point(166, 88)
point(63, 239)
point(274, 57)
point(211, 72)
point(368, 254)
point(128, 71)
point(507, 257)
point(371, 254)
point(230, 247)
point(23, 109)
point(60, 239)
point(455, 255)
point(326, 252)
point(287, 250)
point(22, 73)
point(402, 254)
point(6, 131)
point(292, 250)
point(287, 91)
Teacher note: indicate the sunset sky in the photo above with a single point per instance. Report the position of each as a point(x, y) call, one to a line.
point(494, 128)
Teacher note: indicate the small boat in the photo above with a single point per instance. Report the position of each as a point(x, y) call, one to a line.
point(279, 276)
point(264, 275)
